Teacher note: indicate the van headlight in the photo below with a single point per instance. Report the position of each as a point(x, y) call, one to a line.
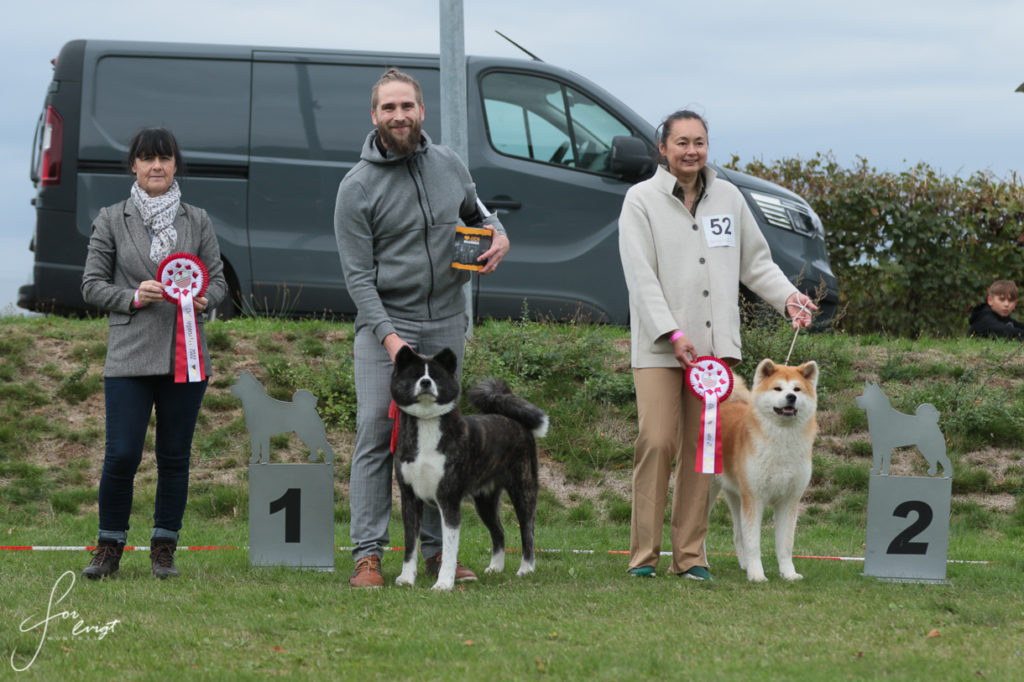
point(788, 214)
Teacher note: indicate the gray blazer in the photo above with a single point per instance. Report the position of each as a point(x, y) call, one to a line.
point(141, 342)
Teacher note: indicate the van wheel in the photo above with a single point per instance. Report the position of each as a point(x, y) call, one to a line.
point(228, 308)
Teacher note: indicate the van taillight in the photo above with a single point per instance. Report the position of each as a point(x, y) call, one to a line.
point(53, 148)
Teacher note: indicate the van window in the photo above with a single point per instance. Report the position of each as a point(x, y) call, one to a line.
point(308, 111)
point(544, 120)
point(215, 117)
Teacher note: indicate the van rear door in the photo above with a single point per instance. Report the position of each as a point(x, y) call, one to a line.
point(199, 93)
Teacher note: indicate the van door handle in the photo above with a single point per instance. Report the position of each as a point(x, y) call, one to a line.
point(502, 201)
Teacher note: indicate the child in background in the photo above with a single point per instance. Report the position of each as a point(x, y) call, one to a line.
point(992, 318)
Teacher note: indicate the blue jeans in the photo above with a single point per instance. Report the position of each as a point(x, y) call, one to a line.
point(130, 401)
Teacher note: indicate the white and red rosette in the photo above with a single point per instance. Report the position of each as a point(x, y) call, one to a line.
point(184, 278)
point(711, 380)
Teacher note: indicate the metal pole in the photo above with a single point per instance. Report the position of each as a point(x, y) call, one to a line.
point(453, 101)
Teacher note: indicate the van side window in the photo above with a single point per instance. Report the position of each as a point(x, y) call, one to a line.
point(204, 101)
point(306, 111)
point(544, 120)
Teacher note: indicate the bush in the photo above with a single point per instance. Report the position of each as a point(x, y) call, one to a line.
point(914, 250)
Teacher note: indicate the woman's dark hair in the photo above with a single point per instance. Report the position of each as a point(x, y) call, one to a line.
point(666, 125)
point(155, 142)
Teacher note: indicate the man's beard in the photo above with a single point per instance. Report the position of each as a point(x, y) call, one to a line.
point(401, 146)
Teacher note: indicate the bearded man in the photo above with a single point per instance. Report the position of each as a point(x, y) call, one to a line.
point(395, 221)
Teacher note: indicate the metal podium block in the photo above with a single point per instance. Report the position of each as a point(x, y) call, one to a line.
point(291, 515)
point(908, 527)
point(908, 516)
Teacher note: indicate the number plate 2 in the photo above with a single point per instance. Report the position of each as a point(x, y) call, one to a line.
point(908, 527)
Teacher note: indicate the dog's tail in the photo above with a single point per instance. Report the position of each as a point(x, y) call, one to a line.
point(740, 392)
point(304, 397)
point(493, 396)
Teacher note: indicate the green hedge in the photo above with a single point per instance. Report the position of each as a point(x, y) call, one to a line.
point(913, 251)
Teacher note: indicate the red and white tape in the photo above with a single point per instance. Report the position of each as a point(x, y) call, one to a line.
point(63, 548)
point(66, 548)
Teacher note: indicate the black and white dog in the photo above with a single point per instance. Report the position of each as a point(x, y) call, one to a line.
point(442, 457)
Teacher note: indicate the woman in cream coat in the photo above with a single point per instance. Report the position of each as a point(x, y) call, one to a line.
point(687, 241)
point(129, 240)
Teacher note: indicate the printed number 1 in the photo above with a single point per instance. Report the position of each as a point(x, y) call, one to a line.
point(901, 544)
point(291, 503)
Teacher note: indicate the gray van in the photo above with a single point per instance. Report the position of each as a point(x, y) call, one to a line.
point(268, 133)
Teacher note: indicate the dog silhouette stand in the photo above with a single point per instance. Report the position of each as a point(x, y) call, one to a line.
point(266, 417)
point(291, 505)
point(891, 429)
point(908, 516)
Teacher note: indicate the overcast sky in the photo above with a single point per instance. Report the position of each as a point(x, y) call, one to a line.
point(895, 82)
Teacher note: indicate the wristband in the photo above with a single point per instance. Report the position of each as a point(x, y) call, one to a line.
point(138, 303)
point(675, 335)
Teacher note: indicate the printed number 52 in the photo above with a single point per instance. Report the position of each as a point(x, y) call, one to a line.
point(720, 226)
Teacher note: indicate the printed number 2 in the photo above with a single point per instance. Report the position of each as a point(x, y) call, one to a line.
point(291, 503)
point(720, 226)
point(902, 544)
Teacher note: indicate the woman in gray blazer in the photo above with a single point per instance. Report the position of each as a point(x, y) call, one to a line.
point(129, 241)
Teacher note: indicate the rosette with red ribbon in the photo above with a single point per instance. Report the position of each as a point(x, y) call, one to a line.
point(184, 278)
point(710, 379)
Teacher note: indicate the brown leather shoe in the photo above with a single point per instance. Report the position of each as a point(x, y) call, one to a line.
point(367, 573)
point(462, 574)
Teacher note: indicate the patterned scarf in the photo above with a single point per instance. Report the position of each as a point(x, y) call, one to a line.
point(158, 216)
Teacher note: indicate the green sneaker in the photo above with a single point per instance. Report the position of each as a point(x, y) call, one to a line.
point(697, 573)
point(642, 572)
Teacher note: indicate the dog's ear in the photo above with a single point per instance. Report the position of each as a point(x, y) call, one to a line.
point(448, 360)
point(764, 370)
point(810, 371)
point(405, 355)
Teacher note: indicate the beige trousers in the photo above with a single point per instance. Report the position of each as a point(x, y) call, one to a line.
point(669, 418)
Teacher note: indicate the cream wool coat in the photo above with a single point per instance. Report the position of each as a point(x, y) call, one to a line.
point(677, 280)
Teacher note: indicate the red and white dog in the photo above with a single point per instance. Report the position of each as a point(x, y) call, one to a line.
point(767, 436)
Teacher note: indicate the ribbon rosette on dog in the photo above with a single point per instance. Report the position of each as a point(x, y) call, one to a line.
point(710, 379)
point(184, 278)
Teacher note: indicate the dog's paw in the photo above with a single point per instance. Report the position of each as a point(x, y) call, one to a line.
point(526, 568)
point(792, 576)
point(497, 564)
point(755, 574)
point(443, 586)
point(406, 577)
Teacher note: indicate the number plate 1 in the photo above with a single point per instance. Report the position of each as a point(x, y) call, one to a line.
point(291, 515)
point(908, 527)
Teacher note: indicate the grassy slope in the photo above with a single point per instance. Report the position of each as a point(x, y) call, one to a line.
point(578, 615)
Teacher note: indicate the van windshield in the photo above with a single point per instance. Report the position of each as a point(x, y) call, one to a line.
point(544, 120)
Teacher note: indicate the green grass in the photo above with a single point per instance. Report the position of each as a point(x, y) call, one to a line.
point(579, 615)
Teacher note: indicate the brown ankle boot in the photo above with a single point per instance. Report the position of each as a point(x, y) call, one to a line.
point(106, 560)
point(161, 556)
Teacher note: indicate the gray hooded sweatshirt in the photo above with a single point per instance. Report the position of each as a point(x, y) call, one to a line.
point(395, 221)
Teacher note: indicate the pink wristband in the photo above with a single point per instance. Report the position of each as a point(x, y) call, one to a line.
point(675, 335)
point(138, 303)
